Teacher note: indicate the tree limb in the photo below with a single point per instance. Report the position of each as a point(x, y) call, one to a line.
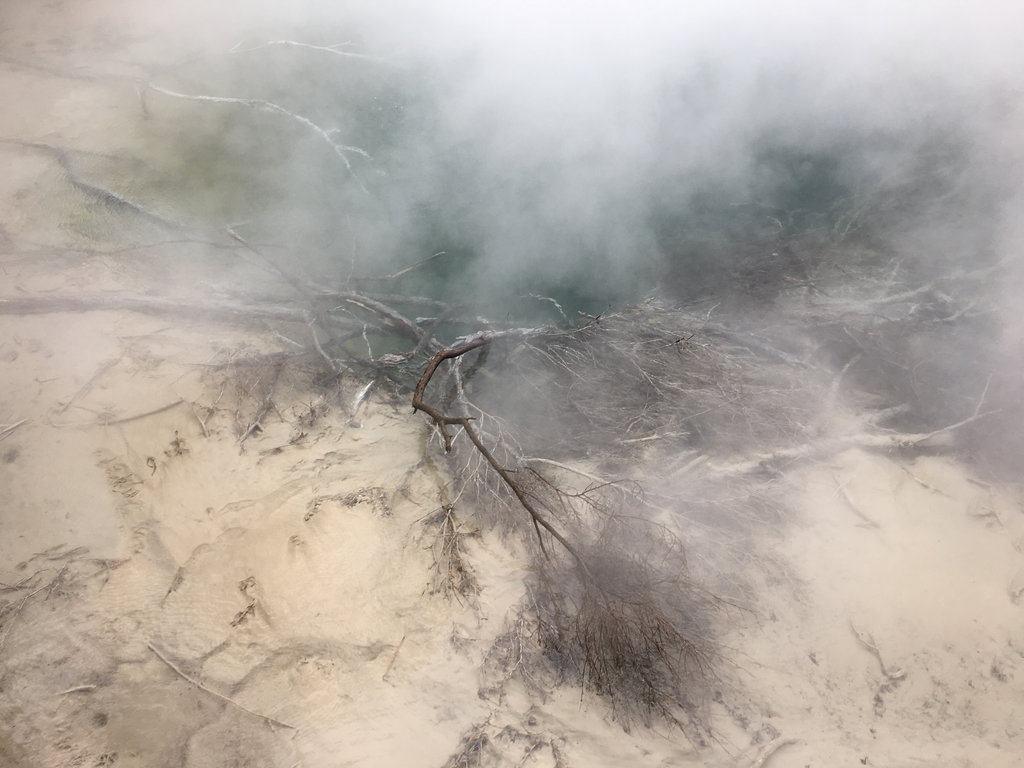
point(443, 422)
point(341, 150)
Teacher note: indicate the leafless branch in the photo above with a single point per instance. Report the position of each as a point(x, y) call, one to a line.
point(334, 50)
point(341, 150)
point(221, 696)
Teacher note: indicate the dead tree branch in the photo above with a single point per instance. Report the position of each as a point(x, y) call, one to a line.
point(7, 429)
point(396, 320)
point(335, 50)
point(443, 422)
point(221, 696)
point(101, 193)
point(341, 150)
point(834, 445)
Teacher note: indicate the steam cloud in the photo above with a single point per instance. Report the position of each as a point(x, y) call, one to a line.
point(589, 140)
point(593, 149)
point(593, 152)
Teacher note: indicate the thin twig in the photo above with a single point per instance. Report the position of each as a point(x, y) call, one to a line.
point(221, 696)
point(656, 436)
point(369, 348)
point(619, 485)
point(107, 196)
point(770, 749)
point(361, 396)
point(841, 487)
point(78, 689)
point(9, 429)
point(229, 311)
point(210, 410)
point(981, 400)
point(923, 484)
point(442, 421)
point(14, 612)
point(964, 422)
point(332, 49)
point(868, 642)
point(302, 288)
point(832, 445)
point(85, 388)
point(393, 318)
point(392, 662)
point(417, 265)
point(202, 421)
point(316, 343)
point(341, 150)
point(147, 414)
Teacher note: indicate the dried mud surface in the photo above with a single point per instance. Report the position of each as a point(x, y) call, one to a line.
point(171, 594)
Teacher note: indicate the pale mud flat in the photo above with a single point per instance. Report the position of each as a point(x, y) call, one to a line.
point(295, 577)
point(174, 596)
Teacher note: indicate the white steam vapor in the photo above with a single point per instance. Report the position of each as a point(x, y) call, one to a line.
point(556, 142)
